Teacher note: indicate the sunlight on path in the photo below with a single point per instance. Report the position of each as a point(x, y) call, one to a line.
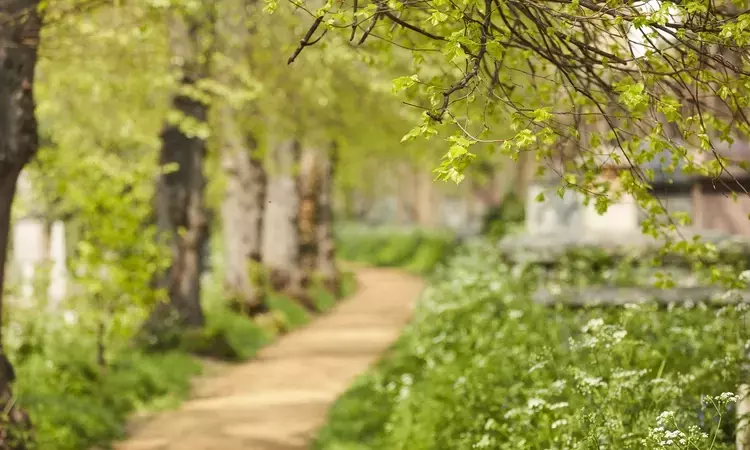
point(277, 401)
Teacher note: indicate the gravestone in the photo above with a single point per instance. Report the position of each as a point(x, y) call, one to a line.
point(570, 215)
point(553, 214)
point(28, 252)
point(32, 246)
point(58, 286)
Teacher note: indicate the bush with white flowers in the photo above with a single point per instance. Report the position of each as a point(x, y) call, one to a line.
point(481, 366)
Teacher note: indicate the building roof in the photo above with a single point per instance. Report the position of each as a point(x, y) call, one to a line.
point(662, 162)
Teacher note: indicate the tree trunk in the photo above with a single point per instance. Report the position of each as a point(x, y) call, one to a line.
point(525, 167)
point(329, 272)
point(181, 213)
point(242, 219)
point(406, 205)
point(309, 188)
point(244, 199)
point(425, 198)
point(281, 240)
point(19, 37)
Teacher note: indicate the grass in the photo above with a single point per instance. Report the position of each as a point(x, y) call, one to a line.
point(75, 404)
point(415, 250)
point(483, 367)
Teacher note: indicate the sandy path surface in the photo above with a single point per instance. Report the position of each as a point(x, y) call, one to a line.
point(278, 401)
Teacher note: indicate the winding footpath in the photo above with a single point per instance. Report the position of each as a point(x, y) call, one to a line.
point(278, 400)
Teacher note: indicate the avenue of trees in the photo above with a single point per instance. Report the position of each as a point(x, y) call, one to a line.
point(159, 132)
point(569, 80)
point(152, 127)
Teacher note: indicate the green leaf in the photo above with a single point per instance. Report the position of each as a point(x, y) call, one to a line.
point(403, 83)
point(541, 114)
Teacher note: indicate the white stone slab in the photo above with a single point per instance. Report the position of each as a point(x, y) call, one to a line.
point(59, 272)
point(620, 217)
point(28, 240)
point(553, 214)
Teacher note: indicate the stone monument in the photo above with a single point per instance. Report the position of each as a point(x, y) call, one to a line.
point(34, 245)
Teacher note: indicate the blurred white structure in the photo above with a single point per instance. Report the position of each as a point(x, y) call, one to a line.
point(33, 246)
point(58, 286)
point(570, 215)
point(647, 38)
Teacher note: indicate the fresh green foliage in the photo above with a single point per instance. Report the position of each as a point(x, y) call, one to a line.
point(76, 403)
point(73, 405)
point(580, 84)
point(416, 250)
point(483, 367)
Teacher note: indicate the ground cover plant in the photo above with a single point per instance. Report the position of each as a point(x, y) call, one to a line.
point(77, 402)
point(414, 249)
point(481, 366)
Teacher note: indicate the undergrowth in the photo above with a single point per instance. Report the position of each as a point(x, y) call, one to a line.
point(77, 403)
point(481, 366)
point(413, 249)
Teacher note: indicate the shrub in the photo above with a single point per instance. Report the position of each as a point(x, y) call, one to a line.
point(75, 403)
point(416, 250)
point(481, 366)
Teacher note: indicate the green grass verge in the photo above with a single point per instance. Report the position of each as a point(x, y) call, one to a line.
point(482, 367)
point(75, 405)
point(416, 250)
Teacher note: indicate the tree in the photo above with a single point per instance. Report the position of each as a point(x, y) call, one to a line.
point(19, 39)
point(577, 82)
point(310, 184)
point(180, 206)
point(317, 246)
point(554, 70)
point(282, 241)
point(243, 204)
point(326, 257)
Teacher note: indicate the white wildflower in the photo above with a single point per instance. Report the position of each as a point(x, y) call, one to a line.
point(673, 434)
point(537, 366)
point(403, 393)
point(592, 381)
point(535, 403)
point(484, 442)
point(727, 397)
point(665, 417)
point(619, 335)
point(593, 324)
point(512, 413)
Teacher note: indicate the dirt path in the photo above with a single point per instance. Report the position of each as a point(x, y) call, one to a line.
point(277, 401)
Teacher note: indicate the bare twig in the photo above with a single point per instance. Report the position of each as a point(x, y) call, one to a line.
point(305, 41)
